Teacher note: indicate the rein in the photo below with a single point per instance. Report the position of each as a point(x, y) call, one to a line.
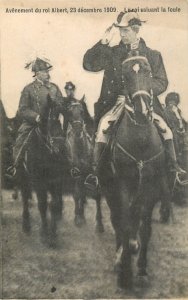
point(48, 142)
point(140, 164)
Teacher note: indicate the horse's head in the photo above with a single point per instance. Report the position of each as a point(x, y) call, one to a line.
point(136, 74)
point(75, 114)
point(78, 141)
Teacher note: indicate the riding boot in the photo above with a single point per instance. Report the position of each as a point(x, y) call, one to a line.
point(92, 180)
point(171, 155)
point(19, 150)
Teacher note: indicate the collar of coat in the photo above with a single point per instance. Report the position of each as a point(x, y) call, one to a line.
point(40, 83)
point(142, 48)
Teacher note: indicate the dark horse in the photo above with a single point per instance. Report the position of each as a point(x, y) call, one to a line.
point(8, 131)
point(42, 171)
point(79, 152)
point(180, 132)
point(140, 178)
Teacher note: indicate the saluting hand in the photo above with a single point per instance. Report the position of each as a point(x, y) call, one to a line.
point(108, 35)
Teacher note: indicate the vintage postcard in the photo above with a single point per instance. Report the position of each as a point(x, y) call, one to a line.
point(94, 149)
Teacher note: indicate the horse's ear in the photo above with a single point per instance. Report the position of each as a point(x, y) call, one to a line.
point(83, 98)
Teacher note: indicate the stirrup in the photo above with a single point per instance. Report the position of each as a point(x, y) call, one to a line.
point(11, 172)
point(177, 169)
point(75, 173)
point(91, 182)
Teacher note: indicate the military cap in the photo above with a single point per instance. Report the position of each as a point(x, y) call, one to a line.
point(128, 19)
point(172, 97)
point(69, 86)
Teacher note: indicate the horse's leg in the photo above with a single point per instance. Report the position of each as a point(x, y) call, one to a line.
point(82, 205)
point(15, 192)
point(114, 206)
point(145, 234)
point(118, 201)
point(165, 197)
point(42, 206)
point(125, 272)
point(135, 216)
point(54, 209)
point(79, 199)
point(25, 192)
point(60, 203)
point(99, 224)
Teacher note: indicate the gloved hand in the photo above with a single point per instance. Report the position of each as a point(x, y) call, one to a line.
point(144, 64)
point(108, 35)
point(38, 119)
point(120, 99)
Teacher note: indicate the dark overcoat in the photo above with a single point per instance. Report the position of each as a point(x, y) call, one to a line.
point(36, 100)
point(102, 57)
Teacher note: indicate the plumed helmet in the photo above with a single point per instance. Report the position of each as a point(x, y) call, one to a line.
point(38, 65)
point(175, 97)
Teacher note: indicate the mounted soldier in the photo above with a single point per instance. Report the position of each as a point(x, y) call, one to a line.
point(35, 102)
point(113, 96)
point(86, 120)
point(173, 112)
point(70, 100)
point(177, 123)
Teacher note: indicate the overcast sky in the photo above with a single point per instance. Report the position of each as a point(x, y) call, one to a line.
point(64, 38)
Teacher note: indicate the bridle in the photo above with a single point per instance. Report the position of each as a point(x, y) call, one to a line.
point(140, 92)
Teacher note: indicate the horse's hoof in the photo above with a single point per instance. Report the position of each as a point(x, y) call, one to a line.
point(142, 281)
point(142, 272)
point(99, 228)
point(14, 196)
point(164, 219)
point(79, 221)
point(26, 227)
point(124, 284)
point(52, 243)
point(44, 233)
point(134, 246)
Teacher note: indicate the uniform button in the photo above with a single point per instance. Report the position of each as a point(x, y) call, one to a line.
point(115, 69)
point(112, 81)
point(104, 102)
point(109, 92)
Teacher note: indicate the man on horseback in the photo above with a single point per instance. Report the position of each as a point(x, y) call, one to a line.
point(173, 112)
point(68, 101)
point(79, 117)
point(113, 96)
point(35, 103)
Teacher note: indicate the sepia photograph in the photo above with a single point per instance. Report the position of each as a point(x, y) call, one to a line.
point(94, 149)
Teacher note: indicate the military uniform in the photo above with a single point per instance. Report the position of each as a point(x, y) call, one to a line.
point(102, 57)
point(173, 112)
point(71, 100)
point(35, 101)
